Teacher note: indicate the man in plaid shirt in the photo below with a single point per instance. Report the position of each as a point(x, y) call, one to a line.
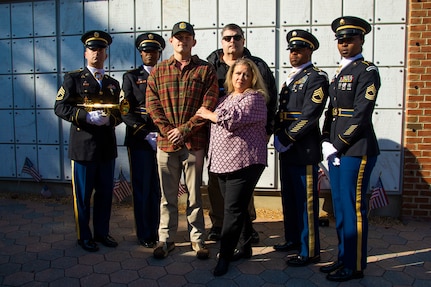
point(176, 89)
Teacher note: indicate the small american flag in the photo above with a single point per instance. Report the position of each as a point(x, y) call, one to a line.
point(29, 168)
point(323, 178)
point(182, 189)
point(121, 187)
point(378, 196)
point(320, 175)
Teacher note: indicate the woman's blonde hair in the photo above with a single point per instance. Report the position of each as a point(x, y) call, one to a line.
point(257, 82)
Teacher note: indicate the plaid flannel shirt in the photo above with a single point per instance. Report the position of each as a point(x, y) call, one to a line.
point(173, 96)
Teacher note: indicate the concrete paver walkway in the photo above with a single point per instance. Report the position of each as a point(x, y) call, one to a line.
point(38, 248)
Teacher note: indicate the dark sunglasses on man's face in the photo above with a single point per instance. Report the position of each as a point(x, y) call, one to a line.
point(229, 38)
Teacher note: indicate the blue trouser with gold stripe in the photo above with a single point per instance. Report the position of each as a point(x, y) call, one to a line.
point(146, 193)
point(349, 185)
point(87, 176)
point(300, 202)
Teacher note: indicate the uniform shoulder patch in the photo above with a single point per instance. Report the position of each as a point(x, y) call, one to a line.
point(60, 94)
point(318, 96)
point(75, 71)
point(372, 68)
point(132, 70)
point(371, 92)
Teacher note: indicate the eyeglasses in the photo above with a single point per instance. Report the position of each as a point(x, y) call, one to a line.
point(229, 38)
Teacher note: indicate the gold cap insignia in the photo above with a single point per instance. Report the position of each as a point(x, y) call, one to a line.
point(182, 25)
point(294, 33)
point(150, 36)
point(342, 22)
point(96, 34)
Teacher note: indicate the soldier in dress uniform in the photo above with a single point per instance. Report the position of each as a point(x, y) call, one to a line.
point(350, 146)
point(86, 100)
point(297, 139)
point(140, 140)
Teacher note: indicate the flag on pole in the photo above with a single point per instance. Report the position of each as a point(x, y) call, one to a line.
point(29, 168)
point(182, 189)
point(323, 178)
point(378, 196)
point(121, 187)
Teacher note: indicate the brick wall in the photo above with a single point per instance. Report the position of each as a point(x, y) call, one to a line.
point(416, 196)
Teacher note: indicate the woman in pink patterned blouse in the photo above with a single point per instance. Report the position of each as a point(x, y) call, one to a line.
point(237, 153)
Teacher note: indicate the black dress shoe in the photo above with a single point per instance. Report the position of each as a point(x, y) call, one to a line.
point(88, 244)
point(344, 274)
point(287, 246)
point(214, 234)
point(107, 240)
point(245, 252)
point(222, 267)
point(147, 243)
point(254, 236)
point(332, 267)
point(299, 261)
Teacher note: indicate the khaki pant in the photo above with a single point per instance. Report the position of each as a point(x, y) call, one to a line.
point(170, 166)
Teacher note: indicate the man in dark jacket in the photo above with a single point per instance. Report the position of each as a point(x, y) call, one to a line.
point(297, 139)
point(140, 140)
point(350, 146)
point(233, 49)
point(88, 99)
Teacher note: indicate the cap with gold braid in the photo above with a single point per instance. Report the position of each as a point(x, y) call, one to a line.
point(96, 39)
point(301, 39)
point(150, 41)
point(348, 26)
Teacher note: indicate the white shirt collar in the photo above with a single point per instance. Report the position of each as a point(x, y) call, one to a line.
point(294, 71)
point(93, 70)
point(148, 68)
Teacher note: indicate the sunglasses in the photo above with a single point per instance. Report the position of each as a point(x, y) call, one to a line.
point(229, 38)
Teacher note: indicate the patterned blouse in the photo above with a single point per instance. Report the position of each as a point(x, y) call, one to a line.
point(238, 138)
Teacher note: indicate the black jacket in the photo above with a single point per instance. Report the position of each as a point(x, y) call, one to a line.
point(138, 122)
point(88, 142)
point(301, 104)
point(348, 123)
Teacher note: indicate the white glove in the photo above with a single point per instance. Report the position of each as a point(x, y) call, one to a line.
point(279, 147)
point(334, 160)
point(328, 149)
point(151, 138)
point(97, 118)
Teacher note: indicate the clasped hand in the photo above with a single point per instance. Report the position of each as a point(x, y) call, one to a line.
point(330, 153)
point(279, 147)
point(98, 118)
point(175, 137)
point(151, 138)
